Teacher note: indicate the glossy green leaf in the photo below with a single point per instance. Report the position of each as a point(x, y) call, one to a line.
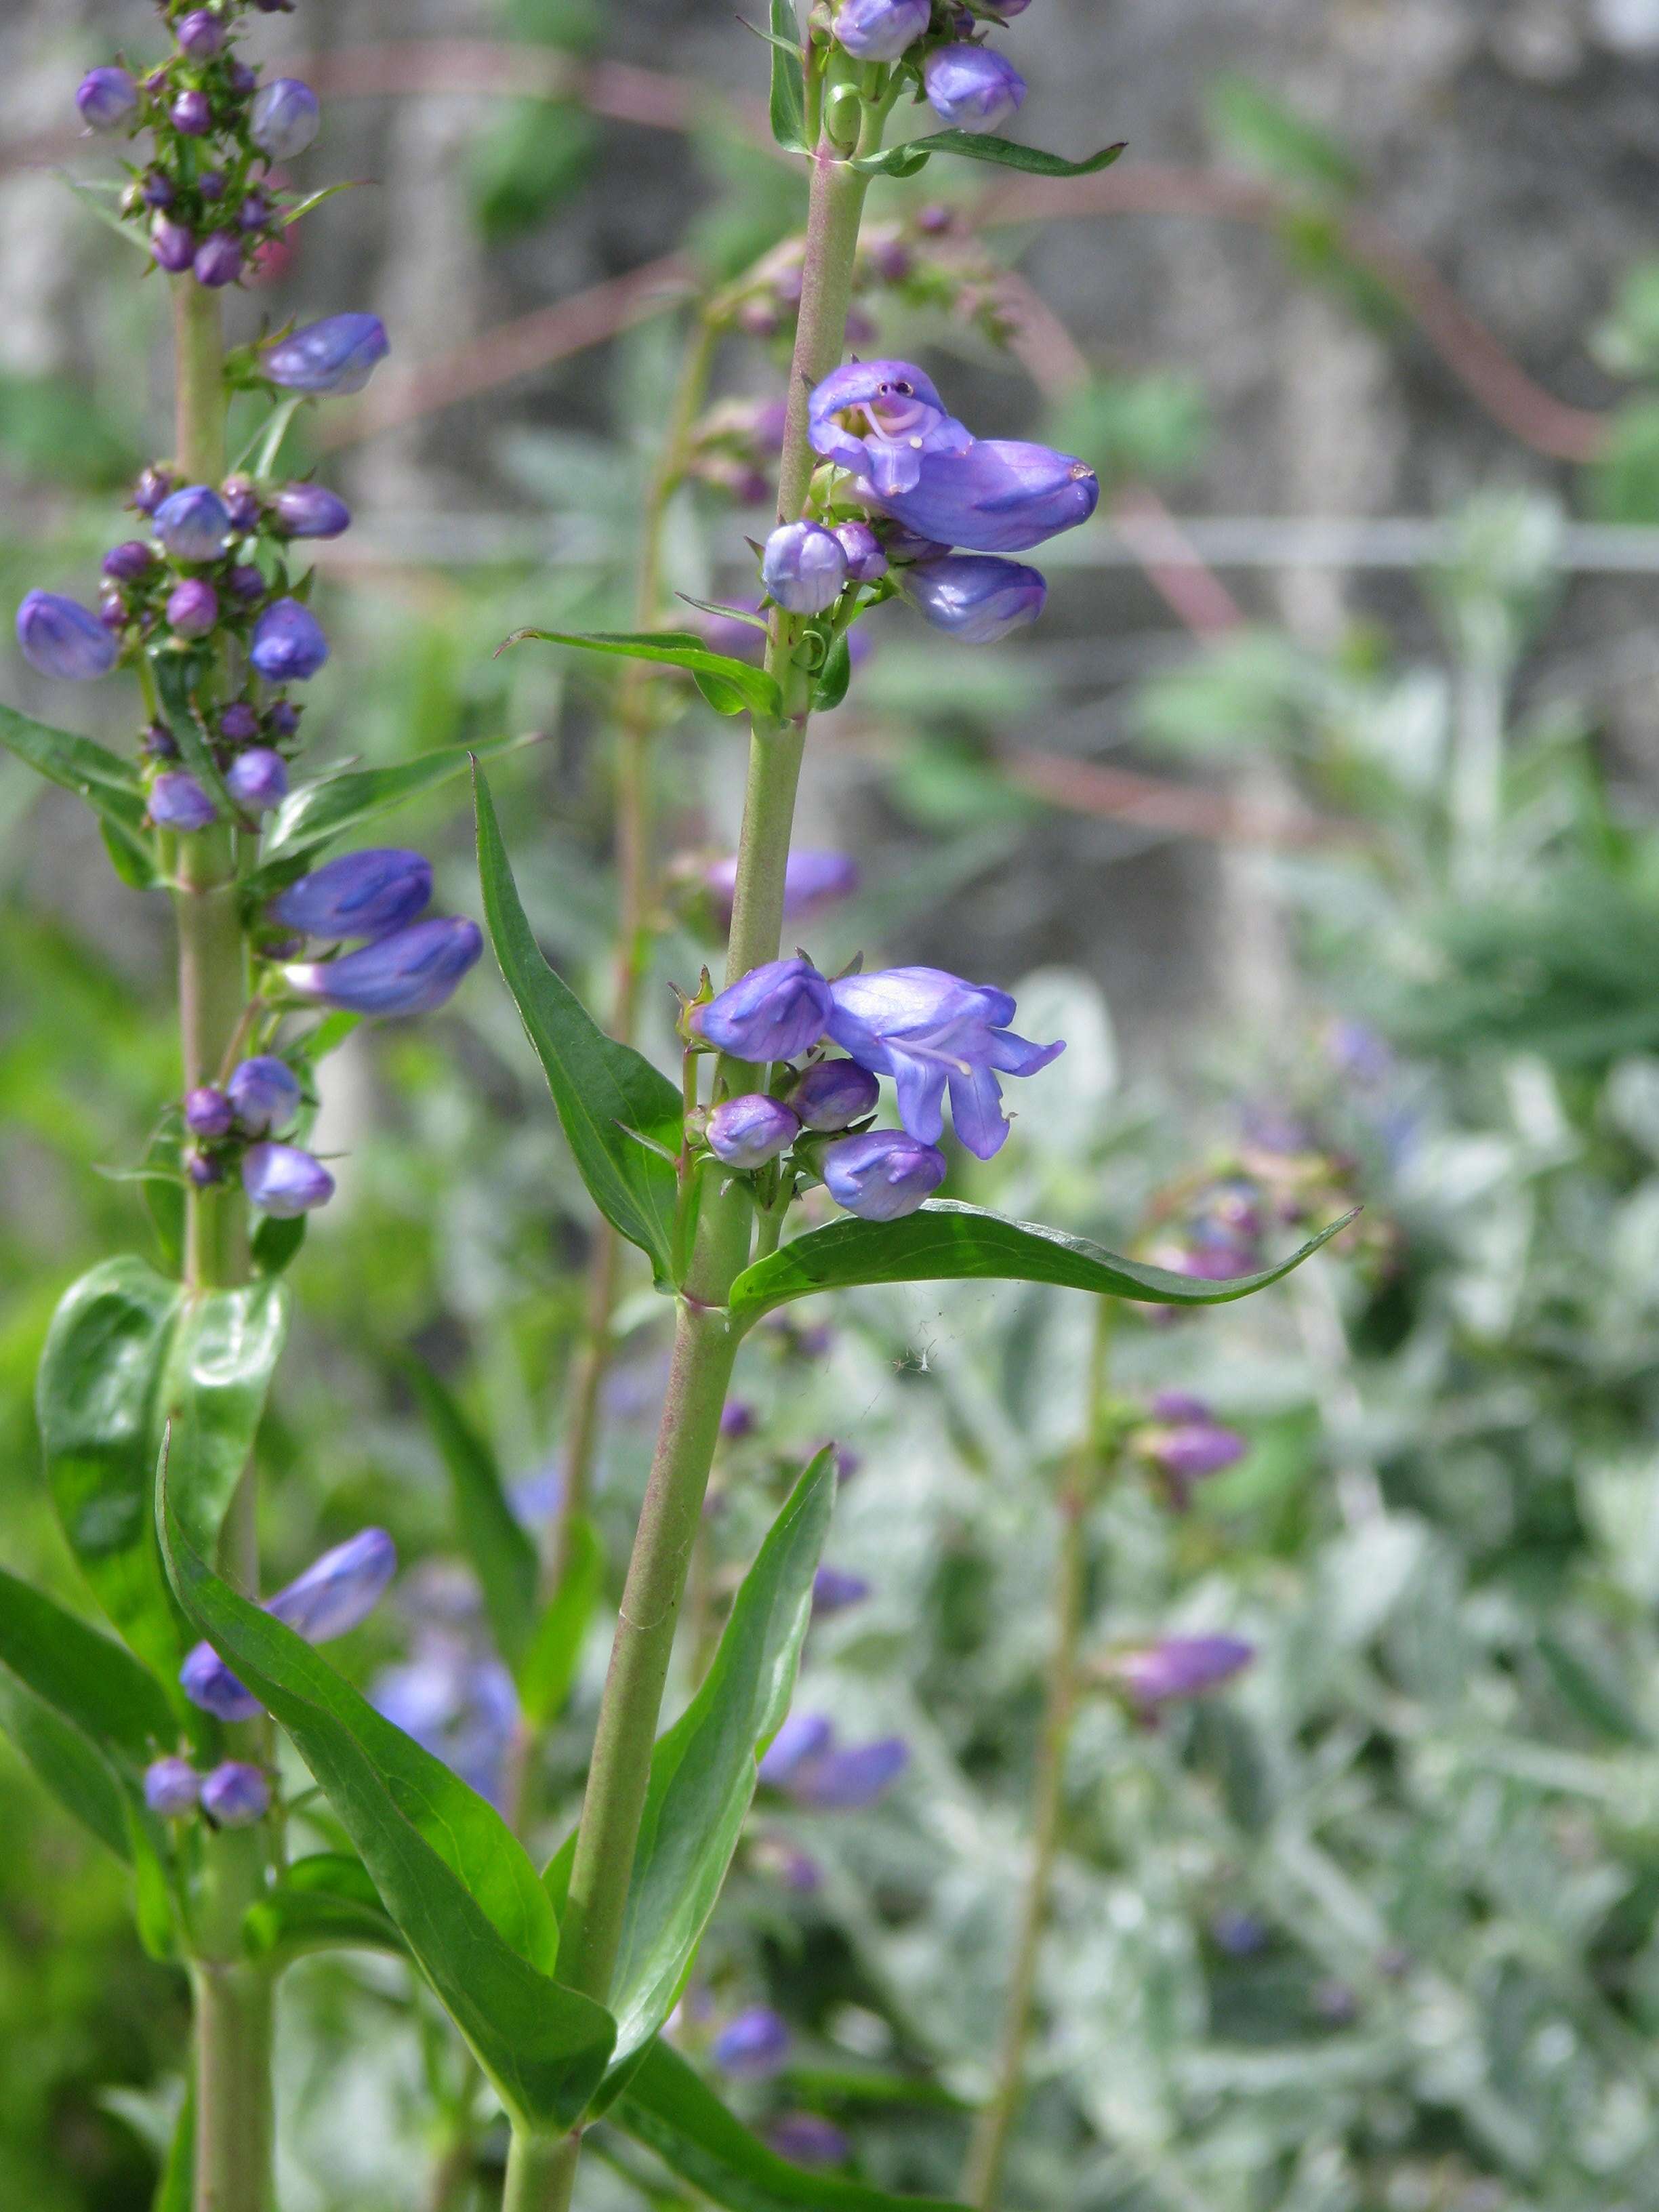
point(670, 2110)
point(602, 1090)
point(946, 1242)
point(223, 1353)
point(501, 1554)
point(74, 1770)
point(547, 1668)
point(731, 687)
point(451, 1874)
point(904, 161)
point(702, 1770)
point(90, 1681)
point(107, 782)
point(788, 95)
point(835, 676)
point(323, 1903)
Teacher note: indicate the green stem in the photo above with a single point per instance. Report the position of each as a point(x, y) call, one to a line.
point(235, 2120)
point(198, 344)
point(540, 2172)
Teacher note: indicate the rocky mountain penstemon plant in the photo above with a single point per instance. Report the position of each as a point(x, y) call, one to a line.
point(152, 1383)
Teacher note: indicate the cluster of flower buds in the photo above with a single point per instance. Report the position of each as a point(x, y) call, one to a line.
point(335, 1593)
point(804, 1763)
point(233, 1795)
point(239, 1126)
point(1184, 1444)
point(969, 85)
point(403, 961)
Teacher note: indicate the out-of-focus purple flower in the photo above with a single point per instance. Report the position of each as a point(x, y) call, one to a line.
point(156, 190)
point(367, 894)
point(258, 779)
point(201, 33)
point(883, 1175)
point(972, 88)
point(284, 1181)
point(833, 1093)
point(246, 582)
point(106, 98)
point(975, 597)
point(809, 2139)
point(335, 1593)
point(1003, 11)
point(172, 1788)
point(212, 184)
point(1001, 495)
point(880, 30)
point(60, 637)
point(338, 354)
point(1336, 2004)
point(204, 1170)
point(812, 881)
point(209, 1683)
point(754, 2045)
point(193, 523)
point(177, 801)
point(788, 1864)
point(288, 646)
point(776, 1010)
point(804, 568)
point(833, 1590)
point(749, 1131)
point(193, 607)
point(255, 212)
point(263, 1093)
point(726, 632)
point(412, 971)
point(235, 1795)
point(1188, 1447)
point(152, 488)
point(927, 1029)
point(737, 1421)
point(865, 561)
point(802, 1736)
point(535, 1498)
point(1240, 1935)
point(207, 1111)
point(1177, 1666)
point(284, 118)
point(171, 245)
point(309, 510)
point(218, 260)
point(839, 1780)
point(191, 113)
point(454, 1697)
point(880, 419)
point(129, 562)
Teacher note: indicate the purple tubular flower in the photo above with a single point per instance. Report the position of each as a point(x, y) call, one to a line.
point(880, 419)
point(105, 98)
point(755, 2044)
point(177, 801)
point(802, 1736)
point(337, 1592)
point(1001, 495)
point(975, 597)
point(834, 1093)
point(1178, 1667)
point(193, 607)
point(263, 1094)
point(412, 971)
point(367, 894)
point(309, 510)
point(191, 114)
point(837, 1781)
point(193, 523)
point(284, 1181)
point(207, 1111)
point(833, 1590)
point(808, 2139)
point(258, 779)
point(236, 1794)
point(884, 1174)
point(972, 88)
point(201, 33)
point(172, 246)
point(172, 1788)
point(927, 1029)
point(866, 561)
point(1188, 1450)
point(338, 354)
point(218, 260)
point(208, 1682)
point(60, 637)
point(804, 568)
point(287, 645)
point(775, 1011)
point(880, 30)
point(749, 1131)
point(129, 562)
point(284, 118)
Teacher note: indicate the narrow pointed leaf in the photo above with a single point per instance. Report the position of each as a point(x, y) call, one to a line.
point(176, 2189)
point(945, 1241)
point(72, 1768)
point(174, 673)
point(601, 1089)
point(788, 98)
point(904, 161)
point(89, 1680)
point(547, 1668)
point(107, 782)
point(501, 1554)
point(323, 1903)
point(731, 687)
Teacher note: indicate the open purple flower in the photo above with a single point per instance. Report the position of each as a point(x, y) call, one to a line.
point(335, 1593)
point(777, 1010)
point(367, 894)
point(975, 597)
point(338, 354)
point(285, 1179)
point(60, 637)
point(880, 419)
point(1177, 1666)
point(927, 1029)
point(413, 971)
point(880, 30)
point(1000, 495)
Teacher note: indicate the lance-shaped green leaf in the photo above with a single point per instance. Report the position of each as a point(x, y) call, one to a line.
point(451, 1874)
point(501, 1554)
point(323, 1903)
point(904, 161)
point(107, 782)
point(90, 1681)
point(604, 1091)
point(74, 1770)
point(176, 2189)
point(946, 1242)
point(670, 2110)
point(548, 1666)
point(702, 1770)
point(787, 105)
point(731, 687)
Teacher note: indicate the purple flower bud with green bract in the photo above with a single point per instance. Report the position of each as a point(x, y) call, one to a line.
point(60, 637)
point(972, 88)
point(309, 510)
point(201, 33)
point(1177, 1666)
point(255, 212)
point(755, 2044)
point(881, 419)
point(749, 1131)
point(191, 114)
point(236, 1794)
point(774, 1013)
point(207, 1111)
point(246, 582)
point(159, 743)
point(833, 1591)
point(975, 597)
point(284, 1181)
point(112, 611)
point(105, 97)
point(413, 971)
point(242, 504)
point(218, 260)
point(239, 722)
point(157, 190)
point(927, 1029)
point(177, 801)
point(172, 246)
point(193, 607)
point(204, 1170)
point(258, 779)
point(884, 1174)
point(880, 30)
point(173, 1788)
point(808, 2139)
point(866, 561)
point(284, 118)
point(339, 354)
point(210, 185)
point(129, 562)
point(833, 1093)
point(803, 567)
point(287, 645)
point(209, 1683)
point(263, 1094)
point(193, 523)
point(1002, 496)
point(337, 1592)
point(368, 894)
point(811, 880)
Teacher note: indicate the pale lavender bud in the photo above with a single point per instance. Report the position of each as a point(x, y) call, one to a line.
point(834, 1093)
point(193, 523)
point(309, 510)
point(833, 1591)
point(201, 33)
point(880, 30)
point(106, 98)
point(775, 1011)
point(59, 637)
point(972, 88)
point(749, 1131)
point(755, 2044)
point(803, 567)
point(288, 644)
point(173, 1788)
point(207, 1112)
point(284, 1181)
point(235, 1795)
point(209, 1683)
point(808, 2139)
point(127, 563)
point(865, 561)
point(413, 971)
point(1177, 1666)
point(177, 801)
point(338, 354)
point(193, 607)
point(337, 1592)
point(368, 894)
point(284, 118)
point(884, 1174)
point(263, 1094)
point(218, 260)
point(258, 779)
point(191, 114)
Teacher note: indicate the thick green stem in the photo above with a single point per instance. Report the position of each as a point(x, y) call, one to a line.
point(198, 344)
point(541, 2171)
point(233, 2114)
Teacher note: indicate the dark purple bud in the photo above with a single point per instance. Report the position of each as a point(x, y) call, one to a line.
point(775, 1011)
point(284, 118)
point(112, 611)
point(803, 567)
point(308, 510)
point(200, 33)
point(106, 98)
point(210, 185)
point(129, 562)
point(258, 779)
point(834, 1093)
point(159, 743)
point(172, 246)
point(240, 78)
point(284, 1181)
point(193, 607)
point(191, 114)
point(755, 2044)
point(283, 718)
point(244, 582)
point(172, 1788)
point(241, 504)
point(263, 1093)
point(880, 30)
point(204, 1169)
point(208, 1682)
point(156, 191)
point(884, 1174)
point(337, 1592)
point(255, 212)
point(218, 260)
point(412, 971)
point(972, 88)
point(177, 801)
point(367, 894)
point(808, 2139)
point(749, 1131)
point(737, 1421)
point(339, 354)
point(275, 7)
point(236, 1794)
point(975, 597)
point(1177, 1666)
point(239, 722)
point(865, 561)
point(60, 637)
point(193, 523)
point(288, 644)
point(833, 1591)
point(207, 1112)
point(152, 488)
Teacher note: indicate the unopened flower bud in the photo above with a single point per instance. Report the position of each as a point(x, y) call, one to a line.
point(177, 801)
point(209, 1685)
point(368, 894)
point(258, 779)
point(191, 114)
point(218, 260)
point(263, 1094)
point(972, 88)
point(749, 1131)
point(865, 561)
point(113, 610)
point(239, 722)
point(1177, 1666)
point(755, 2044)
point(284, 118)
point(128, 561)
point(283, 1179)
point(152, 488)
point(803, 567)
point(207, 1112)
point(173, 1788)
point(975, 597)
point(210, 185)
point(159, 743)
point(338, 354)
point(193, 607)
point(106, 98)
point(201, 33)
point(156, 190)
point(337, 1592)
point(288, 644)
point(833, 1093)
point(59, 637)
point(833, 1590)
point(413, 971)
point(193, 523)
point(880, 30)
point(308, 510)
point(774, 1013)
point(204, 1169)
point(241, 504)
point(255, 212)
point(244, 582)
point(283, 718)
point(884, 1174)
point(235, 1795)
point(172, 246)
